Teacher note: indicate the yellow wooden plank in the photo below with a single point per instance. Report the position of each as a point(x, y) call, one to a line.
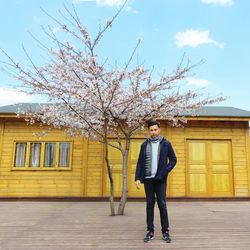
point(178, 179)
point(1, 140)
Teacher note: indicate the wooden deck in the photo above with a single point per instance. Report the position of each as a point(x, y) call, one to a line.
point(87, 225)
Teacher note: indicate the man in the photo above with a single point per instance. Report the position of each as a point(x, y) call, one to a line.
point(156, 160)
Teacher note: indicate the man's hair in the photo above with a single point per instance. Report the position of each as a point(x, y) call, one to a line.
point(153, 122)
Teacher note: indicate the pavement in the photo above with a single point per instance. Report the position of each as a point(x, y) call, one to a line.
point(28, 225)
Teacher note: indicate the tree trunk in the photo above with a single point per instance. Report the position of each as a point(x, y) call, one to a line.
point(124, 195)
point(111, 181)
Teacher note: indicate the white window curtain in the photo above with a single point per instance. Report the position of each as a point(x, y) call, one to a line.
point(64, 150)
point(20, 154)
point(35, 152)
point(49, 155)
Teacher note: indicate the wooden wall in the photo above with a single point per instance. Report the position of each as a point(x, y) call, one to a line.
point(88, 176)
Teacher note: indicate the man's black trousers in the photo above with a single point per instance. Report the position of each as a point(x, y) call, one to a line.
point(154, 188)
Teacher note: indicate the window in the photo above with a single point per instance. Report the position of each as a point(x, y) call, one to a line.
point(50, 155)
point(20, 155)
point(42, 155)
point(64, 154)
point(35, 153)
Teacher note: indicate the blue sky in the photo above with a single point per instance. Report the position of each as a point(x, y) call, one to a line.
point(216, 31)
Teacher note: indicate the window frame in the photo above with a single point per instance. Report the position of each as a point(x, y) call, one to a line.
point(42, 155)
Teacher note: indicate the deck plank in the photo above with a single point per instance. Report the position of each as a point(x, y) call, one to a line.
point(88, 225)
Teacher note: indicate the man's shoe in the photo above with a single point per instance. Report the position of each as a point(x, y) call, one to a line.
point(166, 237)
point(149, 236)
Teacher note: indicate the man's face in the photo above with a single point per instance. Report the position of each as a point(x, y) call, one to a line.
point(154, 131)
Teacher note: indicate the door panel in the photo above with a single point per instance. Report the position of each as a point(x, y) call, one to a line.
point(197, 151)
point(197, 169)
point(221, 170)
point(198, 183)
point(219, 151)
point(220, 183)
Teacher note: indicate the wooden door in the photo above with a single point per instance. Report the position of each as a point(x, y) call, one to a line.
point(209, 168)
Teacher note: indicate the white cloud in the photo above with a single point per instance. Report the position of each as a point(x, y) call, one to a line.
point(219, 2)
point(130, 9)
point(197, 82)
point(13, 96)
point(194, 38)
point(110, 3)
point(79, 1)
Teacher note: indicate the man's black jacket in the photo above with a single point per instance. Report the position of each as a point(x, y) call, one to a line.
point(166, 163)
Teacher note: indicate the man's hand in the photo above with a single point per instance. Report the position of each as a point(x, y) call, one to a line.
point(138, 184)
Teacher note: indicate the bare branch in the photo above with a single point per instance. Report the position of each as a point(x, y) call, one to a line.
point(132, 55)
point(108, 25)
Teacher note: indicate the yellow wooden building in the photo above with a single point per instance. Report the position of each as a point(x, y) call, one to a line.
point(212, 151)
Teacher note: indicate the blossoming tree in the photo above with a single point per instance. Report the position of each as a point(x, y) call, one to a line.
point(89, 99)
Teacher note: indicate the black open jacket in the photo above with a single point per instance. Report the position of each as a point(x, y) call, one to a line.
point(167, 161)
